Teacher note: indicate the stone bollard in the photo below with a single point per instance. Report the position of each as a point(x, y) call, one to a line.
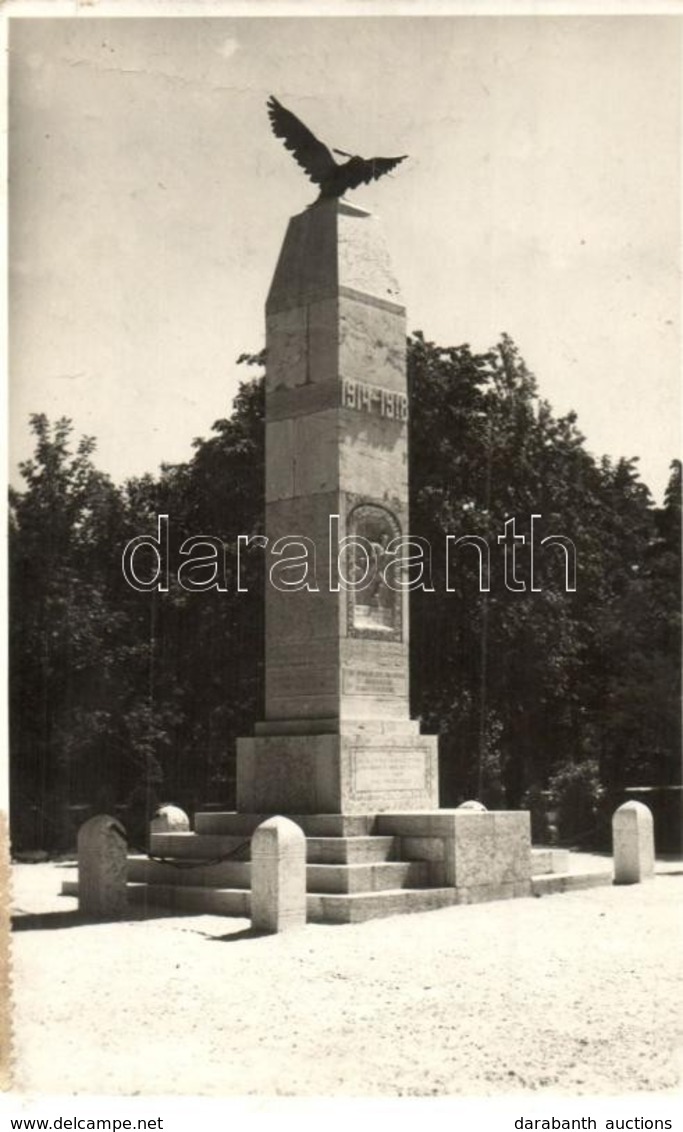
point(102, 867)
point(278, 876)
point(633, 843)
point(170, 819)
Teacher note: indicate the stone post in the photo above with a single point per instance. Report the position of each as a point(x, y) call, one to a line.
point(633, 843)
point(170, 819)
point(102, 867)
point(278, 876)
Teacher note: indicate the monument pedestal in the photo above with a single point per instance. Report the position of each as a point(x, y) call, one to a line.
point(360, 866)
point(367, 768)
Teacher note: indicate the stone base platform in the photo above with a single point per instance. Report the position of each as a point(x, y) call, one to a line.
point(359, 866)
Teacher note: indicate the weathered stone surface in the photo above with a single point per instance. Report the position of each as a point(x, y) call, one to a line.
point(377, 692)
point(422, 848)
point(223, 874)
point(102, 867)
point(431, 850)
point(302, 346)
point(170, 819)
point(367, 877)
point(214, 827)
point(633, 843)
point(373, 457)
point(335, 248)
point(371, 346)
point(359, 771)
point(471, 852)
point(294, 773)
point(479, 849)
point(364, 263)
point(350, 850)
point(304, 458)
point(482, 893)
point(278, 876)
point(354, 908)
point(512, 831)
point(546, 860)
point(421, 823)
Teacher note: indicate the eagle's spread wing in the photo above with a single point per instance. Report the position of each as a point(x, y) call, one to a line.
point(314, 157)
point(370, 169)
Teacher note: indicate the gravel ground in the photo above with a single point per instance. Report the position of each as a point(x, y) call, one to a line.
point(576, 994)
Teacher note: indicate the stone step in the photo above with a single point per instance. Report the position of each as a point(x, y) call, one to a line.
point(350, 850)
point(199, 846)
point(377, 877)
point(336, 908)
point(319, 850)
point(313, 825)
point(355, 908)
point(227, 874)
point(183, 897)
point(548, 884)
point(365, 877)
point(193, 898)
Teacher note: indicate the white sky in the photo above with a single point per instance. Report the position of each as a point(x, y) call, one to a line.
point(148, 201)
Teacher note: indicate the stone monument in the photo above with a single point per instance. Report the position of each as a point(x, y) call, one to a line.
point(337, 735)
point(336, 751)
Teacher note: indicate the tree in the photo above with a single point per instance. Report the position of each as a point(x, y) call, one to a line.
point(62, 623)
point(209, 644)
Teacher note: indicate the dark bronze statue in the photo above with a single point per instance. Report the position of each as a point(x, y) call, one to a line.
point(316, 159)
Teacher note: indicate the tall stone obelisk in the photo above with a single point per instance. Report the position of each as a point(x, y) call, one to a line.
point(337, 751)
point(337, 735)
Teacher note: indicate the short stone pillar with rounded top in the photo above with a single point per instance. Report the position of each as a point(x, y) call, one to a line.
point(278, 876)
point(102, 867)
point(170, 819)
point(633, 843)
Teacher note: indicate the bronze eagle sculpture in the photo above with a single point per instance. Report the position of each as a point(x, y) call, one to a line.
point(317, 161)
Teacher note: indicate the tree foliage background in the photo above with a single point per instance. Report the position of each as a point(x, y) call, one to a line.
point(122, 700)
